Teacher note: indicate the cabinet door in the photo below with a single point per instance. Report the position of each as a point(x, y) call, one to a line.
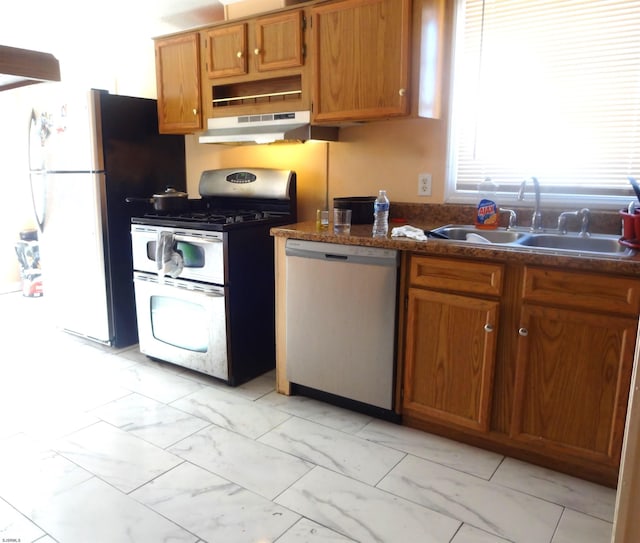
point(178, 84)
point(449, 360)
point(361, 54)
point(226, 51)
point(572, 382)
point(278, 42)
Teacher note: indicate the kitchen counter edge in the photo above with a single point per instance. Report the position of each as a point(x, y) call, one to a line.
point(361, 235)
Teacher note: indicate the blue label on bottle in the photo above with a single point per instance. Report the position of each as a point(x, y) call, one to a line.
point(380, 206)
point(487, 213)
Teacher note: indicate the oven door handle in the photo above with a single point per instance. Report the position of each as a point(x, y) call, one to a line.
point(214, 293)
point(194, 239)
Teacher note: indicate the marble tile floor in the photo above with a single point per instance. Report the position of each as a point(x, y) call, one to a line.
point(101, 445)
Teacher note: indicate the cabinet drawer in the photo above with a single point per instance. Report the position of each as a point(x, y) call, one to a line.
point(457, 275)
point(582, 290)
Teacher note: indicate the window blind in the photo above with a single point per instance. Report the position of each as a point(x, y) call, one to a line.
point(547, 88)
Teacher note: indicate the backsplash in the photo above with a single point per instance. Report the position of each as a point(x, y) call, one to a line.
point(603, 222)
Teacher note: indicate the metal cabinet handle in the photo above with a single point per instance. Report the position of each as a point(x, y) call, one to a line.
point(195, 111)
point(256, 51)
point(239, 54)
point(523, 332)
point(488, 327)
point(402, 92)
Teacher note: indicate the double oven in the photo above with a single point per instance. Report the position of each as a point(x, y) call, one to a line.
point(215, 313)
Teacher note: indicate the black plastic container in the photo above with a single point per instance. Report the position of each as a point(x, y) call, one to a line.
point(29, 235)
point(361, 208)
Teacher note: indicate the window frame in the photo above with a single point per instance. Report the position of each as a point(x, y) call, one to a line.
point(507, 194)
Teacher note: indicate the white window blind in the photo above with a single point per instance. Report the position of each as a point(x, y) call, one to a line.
point(547, 88)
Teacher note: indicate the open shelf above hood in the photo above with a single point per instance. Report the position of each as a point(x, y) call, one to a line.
point(20, 67)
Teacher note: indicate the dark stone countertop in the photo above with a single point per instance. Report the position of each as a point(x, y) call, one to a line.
point(361, 235)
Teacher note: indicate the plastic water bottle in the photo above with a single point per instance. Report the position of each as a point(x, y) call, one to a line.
point(381, 215)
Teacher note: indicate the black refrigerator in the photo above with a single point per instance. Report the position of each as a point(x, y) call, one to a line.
point(88, 152)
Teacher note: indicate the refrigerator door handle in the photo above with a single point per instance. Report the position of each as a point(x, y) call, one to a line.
point(39, 203)
point(39, 131)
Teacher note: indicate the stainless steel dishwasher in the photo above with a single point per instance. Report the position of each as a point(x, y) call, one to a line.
point(341, 320)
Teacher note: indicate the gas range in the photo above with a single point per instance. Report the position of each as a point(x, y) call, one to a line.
point(215, 311)
point(233, 199)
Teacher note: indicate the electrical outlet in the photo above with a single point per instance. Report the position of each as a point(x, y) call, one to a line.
point(424, 184)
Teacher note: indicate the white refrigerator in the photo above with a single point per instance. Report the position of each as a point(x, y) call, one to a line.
point(88, 152)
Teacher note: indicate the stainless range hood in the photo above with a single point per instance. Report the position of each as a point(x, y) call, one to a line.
point(20, 67)
point(266, 128)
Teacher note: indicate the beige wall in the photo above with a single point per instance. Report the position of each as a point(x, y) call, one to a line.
point(368, 157)
point(384, 155)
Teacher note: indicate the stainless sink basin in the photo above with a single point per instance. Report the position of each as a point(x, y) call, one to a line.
point(460, 232)
point(596, 243)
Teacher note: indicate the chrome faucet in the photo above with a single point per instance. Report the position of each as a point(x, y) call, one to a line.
point(536, 218)
point(585, 218)
point(562, 220)
point(513, 217)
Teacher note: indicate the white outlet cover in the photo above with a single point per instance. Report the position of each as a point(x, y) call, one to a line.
point(424, 184)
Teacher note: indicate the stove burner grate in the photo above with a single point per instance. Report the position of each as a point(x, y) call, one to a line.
point(219, 216)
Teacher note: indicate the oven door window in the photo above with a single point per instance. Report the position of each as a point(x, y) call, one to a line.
point(180, 323)
point(192, 254)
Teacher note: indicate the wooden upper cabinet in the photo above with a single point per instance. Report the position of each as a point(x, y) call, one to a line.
point(269, 43)
point(256, 66)
point(178, 83)
point(361, 51)
point(226, 51)
point(278, 41)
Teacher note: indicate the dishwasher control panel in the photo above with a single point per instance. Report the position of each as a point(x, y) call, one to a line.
point(320, 249)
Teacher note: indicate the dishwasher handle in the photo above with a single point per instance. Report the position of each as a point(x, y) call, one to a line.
point(369, 260)
point(351, 254)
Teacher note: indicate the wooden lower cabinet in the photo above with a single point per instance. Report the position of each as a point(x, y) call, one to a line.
point(548, 384)
point(577, 334)
point(448, 375)
point(572, 381)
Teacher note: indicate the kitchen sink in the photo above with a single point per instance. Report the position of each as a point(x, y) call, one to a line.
point(596, 244)
point(461, 232)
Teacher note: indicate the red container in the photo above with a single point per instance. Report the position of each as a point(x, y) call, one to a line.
point(630, 226)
